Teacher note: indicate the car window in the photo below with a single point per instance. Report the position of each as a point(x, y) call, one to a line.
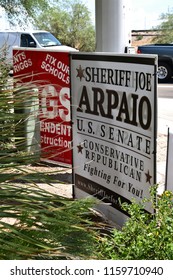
point(46, 39)
point(27, 41)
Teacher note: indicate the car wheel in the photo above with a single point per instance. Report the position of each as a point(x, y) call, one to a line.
point(164, 72)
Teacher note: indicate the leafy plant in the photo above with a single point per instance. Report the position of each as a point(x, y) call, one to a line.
point(71, 23)
point(139, 37)
point(144, 236)
point(165, 34)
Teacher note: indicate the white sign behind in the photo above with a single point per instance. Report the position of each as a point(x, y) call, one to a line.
point(169, 165)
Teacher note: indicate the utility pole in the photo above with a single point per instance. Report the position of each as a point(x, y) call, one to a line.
point(113, 32)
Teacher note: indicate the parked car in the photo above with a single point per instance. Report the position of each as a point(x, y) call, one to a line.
point(29, 39)
point(165, 58)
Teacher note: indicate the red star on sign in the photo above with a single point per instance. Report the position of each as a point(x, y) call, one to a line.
point(80, 148)
point(148, 177)
point(80, 73)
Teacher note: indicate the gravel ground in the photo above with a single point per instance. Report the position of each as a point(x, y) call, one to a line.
point(61, 176)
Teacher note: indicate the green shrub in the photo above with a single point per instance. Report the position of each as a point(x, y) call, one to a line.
point(139, 37)
point(143, 236)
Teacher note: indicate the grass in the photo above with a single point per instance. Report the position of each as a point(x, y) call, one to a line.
point(43, 225)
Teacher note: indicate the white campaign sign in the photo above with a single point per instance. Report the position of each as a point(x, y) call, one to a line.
point(114, 126)
point(169, 166)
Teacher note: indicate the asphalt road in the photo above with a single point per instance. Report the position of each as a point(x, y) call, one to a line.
point(165, 90)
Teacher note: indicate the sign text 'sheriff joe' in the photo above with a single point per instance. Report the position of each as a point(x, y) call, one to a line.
point(48, 72)
point(114, 125)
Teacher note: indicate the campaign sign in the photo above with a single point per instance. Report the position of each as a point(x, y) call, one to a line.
point(48, 72)
point(114, 126)
point(169, 162)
